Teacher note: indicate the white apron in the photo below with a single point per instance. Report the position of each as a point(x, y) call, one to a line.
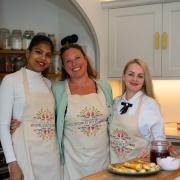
point(86, 142)
point(126, 141)
point(34, 141)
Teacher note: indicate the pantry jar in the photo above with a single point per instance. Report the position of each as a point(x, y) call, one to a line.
point(4, 38)
point(158, 149)
point(53, 39)
point(27, 36)
point(16, 39)
point(2, 64)
point(19, 62)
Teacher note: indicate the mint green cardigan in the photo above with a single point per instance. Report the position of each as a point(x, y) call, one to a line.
point(61, 101)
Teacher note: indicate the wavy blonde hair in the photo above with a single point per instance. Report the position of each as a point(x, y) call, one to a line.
point(147, 87)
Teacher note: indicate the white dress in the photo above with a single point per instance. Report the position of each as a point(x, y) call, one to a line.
point(86, 141)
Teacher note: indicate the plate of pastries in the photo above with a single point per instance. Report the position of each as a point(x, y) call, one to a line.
point(134, 167)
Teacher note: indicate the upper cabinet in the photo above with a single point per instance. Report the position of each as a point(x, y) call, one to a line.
point(148, 32)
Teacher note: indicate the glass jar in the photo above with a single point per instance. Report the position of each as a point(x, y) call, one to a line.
point(158, 149)
point(19, 62)
point(16, 39)
point(42, 33)
point(4, 38)
point(9, 64)
point(2, 64)
point(27, 36)
point(53, 39)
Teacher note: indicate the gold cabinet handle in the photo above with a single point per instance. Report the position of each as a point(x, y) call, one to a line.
point(164, 40)
point(157, 40)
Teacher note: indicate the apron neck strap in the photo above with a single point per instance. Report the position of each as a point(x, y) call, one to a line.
point(25, 82)
point(139, 104)
point(67, 88)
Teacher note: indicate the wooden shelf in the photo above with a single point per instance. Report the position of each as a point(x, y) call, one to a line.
point(56, 53)
point(13, 51)
point(54, 76)
point(22, 53)
point(50, 75)
point(10, 51)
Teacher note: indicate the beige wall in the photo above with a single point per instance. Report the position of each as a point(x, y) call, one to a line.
point(167, 93)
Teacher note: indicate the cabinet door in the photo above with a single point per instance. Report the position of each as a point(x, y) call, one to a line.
point(132, 35)
point(171, 53)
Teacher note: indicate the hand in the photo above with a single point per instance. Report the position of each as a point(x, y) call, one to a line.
point(143, 154)
point(14, 125)
point(15, 171)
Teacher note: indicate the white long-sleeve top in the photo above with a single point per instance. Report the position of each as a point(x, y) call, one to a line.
point(12, 99)
point(150, 120)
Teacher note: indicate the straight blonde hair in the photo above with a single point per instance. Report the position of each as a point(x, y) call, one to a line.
point(147, 87)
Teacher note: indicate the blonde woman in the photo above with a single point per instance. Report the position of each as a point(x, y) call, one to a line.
point(136, 115)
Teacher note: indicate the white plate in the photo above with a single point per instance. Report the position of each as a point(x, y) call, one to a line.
point(115, 171)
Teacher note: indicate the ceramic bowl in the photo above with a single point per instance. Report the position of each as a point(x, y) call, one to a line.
point(168, 163)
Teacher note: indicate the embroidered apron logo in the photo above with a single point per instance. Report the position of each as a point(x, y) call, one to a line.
point(43, 124)
point(90, 122)
point(121, 142)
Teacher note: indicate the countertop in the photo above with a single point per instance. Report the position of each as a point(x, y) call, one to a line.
point(105, 175)
point(171, 133)
point(171, 130)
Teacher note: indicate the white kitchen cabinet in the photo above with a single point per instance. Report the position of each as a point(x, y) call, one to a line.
point(149, 32)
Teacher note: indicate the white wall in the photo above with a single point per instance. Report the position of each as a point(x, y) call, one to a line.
point(24, 14)
point(99, 19)
point(44, 16)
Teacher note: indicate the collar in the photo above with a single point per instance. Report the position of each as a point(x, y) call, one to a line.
point(134, 98)
point(33, 73)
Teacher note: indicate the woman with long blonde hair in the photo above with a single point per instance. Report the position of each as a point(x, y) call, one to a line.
point(136, 115)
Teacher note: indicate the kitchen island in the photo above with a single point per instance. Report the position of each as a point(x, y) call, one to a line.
point(105, 175)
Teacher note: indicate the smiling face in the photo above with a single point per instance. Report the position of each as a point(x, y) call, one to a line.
point(39, 57)
point(133, 79)
point(75, 63)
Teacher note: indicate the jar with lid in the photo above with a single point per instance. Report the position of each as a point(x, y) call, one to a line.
point(53, 39)
point(2, 64)
point(42, 33)
point(19, 62)
point(16, 39)
point(9, 64)
point(158, 149)
point(55, 66)
point(27, 36)
point(4, 38)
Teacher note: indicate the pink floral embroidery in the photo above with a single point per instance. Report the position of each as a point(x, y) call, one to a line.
point(43, 124)
point(121, 142)
point(44, 114)
point(90, 121)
